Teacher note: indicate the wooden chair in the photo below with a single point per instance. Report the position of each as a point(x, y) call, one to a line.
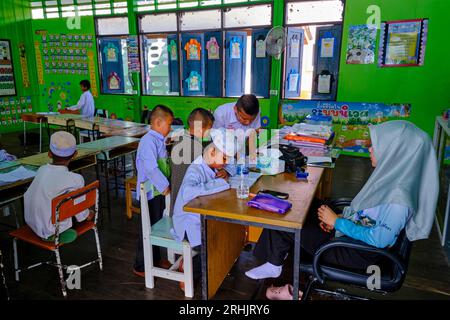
point(130, 186)
point(159, 235)
point(63, 207)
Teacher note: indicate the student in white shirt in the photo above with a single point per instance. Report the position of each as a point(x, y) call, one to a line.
point(201, 179)
point(86, 102)
point(51, 181)
point(244, 114)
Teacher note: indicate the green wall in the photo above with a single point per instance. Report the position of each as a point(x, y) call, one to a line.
point(427, 88)
point(15, 25)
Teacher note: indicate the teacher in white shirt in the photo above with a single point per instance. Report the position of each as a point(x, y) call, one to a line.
point(86, 102)
point(244, 114)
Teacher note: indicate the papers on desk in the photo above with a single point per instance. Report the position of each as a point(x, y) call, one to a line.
point(21, 173)
point(47, 113)
point(250, 180)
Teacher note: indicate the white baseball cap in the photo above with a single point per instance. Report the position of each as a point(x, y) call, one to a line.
point(63, 144)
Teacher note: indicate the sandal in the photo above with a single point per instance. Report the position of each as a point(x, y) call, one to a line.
point(282, 293)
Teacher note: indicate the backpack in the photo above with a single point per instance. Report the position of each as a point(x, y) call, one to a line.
point(293, 158)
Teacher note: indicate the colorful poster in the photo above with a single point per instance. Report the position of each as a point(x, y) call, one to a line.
point(111, 53)
point(327, 48)
point(361, 45)
point(213, 49)
point(193, 49)
point(134, 64)
point(350, 120)
point(7, 80)
point(235, 47)
point(173, 50)
point(24, 66)
point(403, 43)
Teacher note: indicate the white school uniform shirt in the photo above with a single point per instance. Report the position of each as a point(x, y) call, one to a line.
point(200, 180)
point(86, 104)
point(224, 117)
point(50, 182)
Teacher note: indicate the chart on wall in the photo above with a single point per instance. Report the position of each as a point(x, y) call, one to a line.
point(403, 43)
point(7, 81)
point(350, 120)
point(11, 110)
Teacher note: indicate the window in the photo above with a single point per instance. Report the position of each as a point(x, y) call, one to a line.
point(211, 52)
point(112, 35)
point(311, 58)
point(70, 8)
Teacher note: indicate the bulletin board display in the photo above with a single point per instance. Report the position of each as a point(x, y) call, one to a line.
point(11, 109)
point(403, 43)
point(64, 57)
point(7, 80)
point(350, 119)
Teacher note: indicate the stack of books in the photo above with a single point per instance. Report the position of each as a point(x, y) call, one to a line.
point(310, 135)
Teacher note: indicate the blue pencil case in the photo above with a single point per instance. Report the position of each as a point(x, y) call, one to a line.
point(267, 202)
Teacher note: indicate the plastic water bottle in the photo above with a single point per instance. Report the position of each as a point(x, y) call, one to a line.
point(243, 190)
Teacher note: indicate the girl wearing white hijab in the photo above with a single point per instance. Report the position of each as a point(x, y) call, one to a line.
point(401, 193)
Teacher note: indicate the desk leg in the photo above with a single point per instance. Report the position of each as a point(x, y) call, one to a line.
point(115, 177)
point(108, 198)
point(204, 256)
point(97, 173)
point(296, 270)
point(40, 135)
point(24, 135)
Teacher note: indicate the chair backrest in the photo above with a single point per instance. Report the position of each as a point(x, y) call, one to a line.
point(145, 118)
point(402, 248)
point(70, 204)
point(145, 188)
point(102, 113)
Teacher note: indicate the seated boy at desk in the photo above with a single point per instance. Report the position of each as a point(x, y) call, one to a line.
point(151, 161)
point(86, 102)
point(201, 180)
point(189, 147)
point(51, 181)
point(5, 156)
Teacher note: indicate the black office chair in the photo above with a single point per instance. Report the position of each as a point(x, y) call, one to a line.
point(102, 113)
point(394, 264)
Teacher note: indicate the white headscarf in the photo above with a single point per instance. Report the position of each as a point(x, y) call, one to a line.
point(406, 174)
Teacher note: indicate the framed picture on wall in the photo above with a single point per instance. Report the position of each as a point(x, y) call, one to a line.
point(7, 80)
point(403, 43)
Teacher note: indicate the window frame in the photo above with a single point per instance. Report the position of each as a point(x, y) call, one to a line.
point(179, 32)
point(99, 54)
point(298, 25)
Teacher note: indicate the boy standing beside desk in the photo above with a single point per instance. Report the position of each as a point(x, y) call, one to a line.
point(244, 114)
point(151, 161)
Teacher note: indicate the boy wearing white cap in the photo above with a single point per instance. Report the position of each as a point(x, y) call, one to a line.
point(201, 180)
point(51, 181)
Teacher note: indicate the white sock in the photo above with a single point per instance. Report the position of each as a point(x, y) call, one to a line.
point(266, 270)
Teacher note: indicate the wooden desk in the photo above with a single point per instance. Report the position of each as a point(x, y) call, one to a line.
point(85, 158)
point(36, 119)
point(110, 149)
point(134, 132)
point(224, 218)
point(14, 190)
